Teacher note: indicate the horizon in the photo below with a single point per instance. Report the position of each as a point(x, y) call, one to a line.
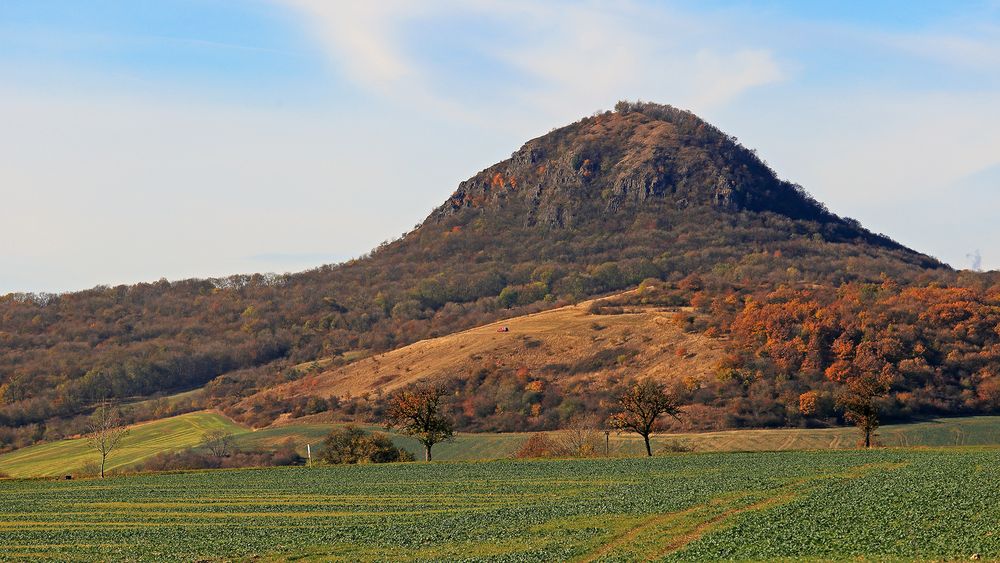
point(192, 139)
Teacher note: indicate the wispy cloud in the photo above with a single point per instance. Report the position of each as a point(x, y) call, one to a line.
point(363, 37)
point(561, 56)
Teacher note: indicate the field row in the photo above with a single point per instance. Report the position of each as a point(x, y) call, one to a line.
point(933, 504)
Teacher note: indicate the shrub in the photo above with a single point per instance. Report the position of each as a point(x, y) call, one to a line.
point(195, 458)
point(677, 446)
point(538, 445)
point(90, 469)
point(579, 437)
point(351, 444)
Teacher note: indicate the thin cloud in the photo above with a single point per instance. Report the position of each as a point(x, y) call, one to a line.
point(362, 37)
point(566, 56)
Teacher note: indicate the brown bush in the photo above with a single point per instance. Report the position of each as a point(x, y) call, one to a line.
point(536, 446)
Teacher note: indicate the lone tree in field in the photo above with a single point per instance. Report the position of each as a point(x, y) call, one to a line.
point(106, 431)
point(417, 412)
point(860, 403)
point(640, 407)
point(219, 442)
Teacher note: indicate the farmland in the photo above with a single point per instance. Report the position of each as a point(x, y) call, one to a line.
point(884, 504)
point(148, 439)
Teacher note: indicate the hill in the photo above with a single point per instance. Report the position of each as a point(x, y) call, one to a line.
point(645, 192)
point(572, 347)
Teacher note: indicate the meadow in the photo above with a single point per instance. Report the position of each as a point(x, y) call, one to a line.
point(145, 440)
point(882, 505)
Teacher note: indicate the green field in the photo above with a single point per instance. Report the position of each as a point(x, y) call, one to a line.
point(878, 505)
point(70, 456)
point(144, 440)
point(964, 431)
point(465, 447)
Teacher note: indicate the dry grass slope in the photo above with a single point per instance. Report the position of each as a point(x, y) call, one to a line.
point(651, 342)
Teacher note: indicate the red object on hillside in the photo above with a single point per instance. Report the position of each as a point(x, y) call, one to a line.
point(504, 329)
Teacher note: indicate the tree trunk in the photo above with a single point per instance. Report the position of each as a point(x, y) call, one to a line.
point(103, 459)
point(868, 438)
point(649, 451)
point(427, 452)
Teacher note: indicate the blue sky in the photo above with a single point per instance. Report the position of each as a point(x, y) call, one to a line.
point(187, 138)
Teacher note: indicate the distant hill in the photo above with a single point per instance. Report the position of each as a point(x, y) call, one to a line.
point(645, 192)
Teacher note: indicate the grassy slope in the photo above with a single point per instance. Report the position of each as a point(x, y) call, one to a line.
point(69, 456)
point(143, 440)
point(900, 504)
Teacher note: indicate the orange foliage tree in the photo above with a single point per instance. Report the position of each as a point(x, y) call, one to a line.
point(417, 412)
point(641, 406)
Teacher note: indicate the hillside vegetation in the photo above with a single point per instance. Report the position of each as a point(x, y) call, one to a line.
point(531, 365)
point(805, 300)
point(880, 505)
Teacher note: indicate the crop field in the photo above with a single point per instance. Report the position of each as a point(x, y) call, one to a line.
point(883, 504)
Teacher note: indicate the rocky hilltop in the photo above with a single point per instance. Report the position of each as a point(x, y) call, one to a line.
point(642, 156)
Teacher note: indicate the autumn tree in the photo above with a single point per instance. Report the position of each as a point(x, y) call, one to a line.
point(219, 442)
point(859, 400)
point(417, 412)
point(641, 405)
point(106, 430)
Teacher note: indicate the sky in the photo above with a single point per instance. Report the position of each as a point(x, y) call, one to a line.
point(201, 138)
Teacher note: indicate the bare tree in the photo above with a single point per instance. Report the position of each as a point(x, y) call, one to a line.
point(641, 405)
point(580, 437)
point(219, 442)
point(106, 431)
point(417, 412)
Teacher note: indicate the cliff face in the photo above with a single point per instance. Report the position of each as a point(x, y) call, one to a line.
point(640, 156)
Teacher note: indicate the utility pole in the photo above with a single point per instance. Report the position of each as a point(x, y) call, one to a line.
point(607, 443)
